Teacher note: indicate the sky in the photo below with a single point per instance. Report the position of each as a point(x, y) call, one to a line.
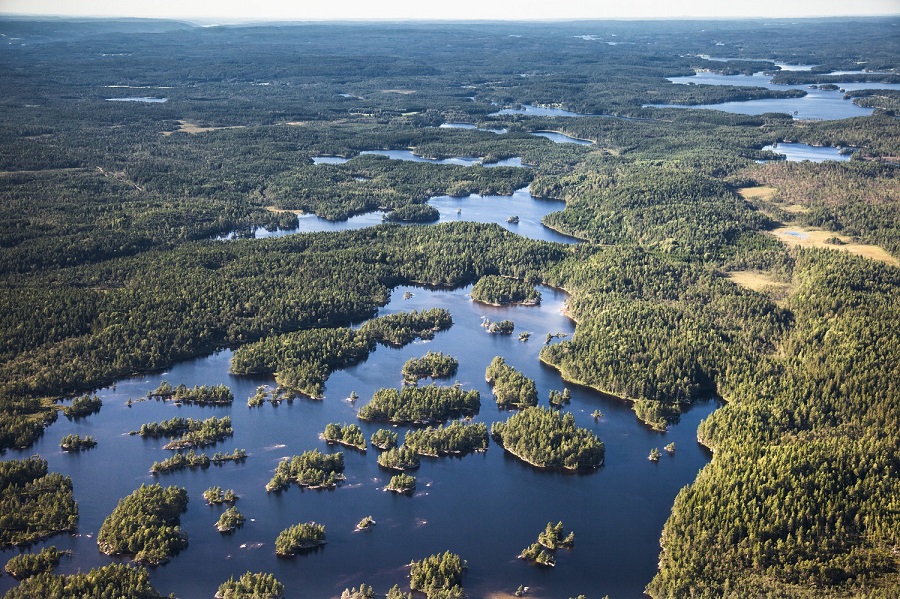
point(227, 11)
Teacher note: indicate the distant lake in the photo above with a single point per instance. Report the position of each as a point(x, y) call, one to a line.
point(470, 126)
point(409, 156)
point(795, 152)
point(146, 99)
point(486, 507)
point(559, 138)
point(817, 104)
point(472, 208)
point(528, 109)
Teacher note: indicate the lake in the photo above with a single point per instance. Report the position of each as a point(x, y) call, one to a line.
point(559, 138)
point(817, 104)
point(471, 208)
point(530, 110)
point(145, 99)
point(410, 157)
point(486, 507)
point(795, 152)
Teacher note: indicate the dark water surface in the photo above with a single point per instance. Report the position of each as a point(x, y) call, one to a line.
point(487, 507)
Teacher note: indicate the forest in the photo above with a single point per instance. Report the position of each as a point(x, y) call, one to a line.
point(127, 245)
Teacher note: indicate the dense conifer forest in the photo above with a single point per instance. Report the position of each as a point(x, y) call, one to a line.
point(127, 245)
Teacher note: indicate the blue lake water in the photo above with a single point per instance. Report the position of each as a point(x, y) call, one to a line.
point(817, 104)
point(795, 152)
point(409, 156)
point(530, 110)
point(470, 126)
point(472, 208)
point(486, 507)
point(145, 99)
point(559, 138)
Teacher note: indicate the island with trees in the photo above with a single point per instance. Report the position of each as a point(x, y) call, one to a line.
point(114, 580)
point(145, 525)
point(83, 406)
point(545, 438)
point(215, 495)
point(399, 458)
point(31, 564)
point(300, 538)
point(499, 291)
point(347, 434)
point(402, 483)
point(457, 438)
point(76, 442)
point(421, 405)
point(230, 520)
point(251, 585)
point(551, 539)
point(35, 503)
point(366, 523)
point(198, 394)
point(512, 389)
point(192, 459)
point(312, 469)
point(438, 575)
point(435, 365)
point(384, 439)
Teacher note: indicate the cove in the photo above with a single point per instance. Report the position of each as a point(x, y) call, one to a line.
point(486, 507)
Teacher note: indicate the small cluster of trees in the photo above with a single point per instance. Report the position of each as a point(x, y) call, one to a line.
point(511, 387)
point(198, 394)
point(300, 537)
point(384, 438)
point(438, 575)
point(402, 483)
point(399, 458)
point(192, 459)
point(421, 405)
point(32, 564)
point(432, 364)
point(83, 406)
point(457, 438)
point(34, 503)
point(547, 439)
point(497, 291)
point(200, 434)
point(551, 539)
point(230, 520)
point(348, 434)
point(258, 585)
point(146, 524)
point(312, 469)
point(215, 495)
point(76, 442)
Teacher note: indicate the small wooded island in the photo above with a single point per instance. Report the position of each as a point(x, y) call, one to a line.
point(402, 483)
point(299, 538)
point(32, 564)
point(399, 458)
point(384, 438)
point(438, 575)
point(413, 213)
point(312, 469)
point(512, 389)
point(198, 394)
point(421, 405)
point(457, 438)
point(498, 291)
point(145, 524)
point(215, 496)
point(551, 539)
point(82, 406)
point(35, 504)
point(77, 443)
point(435, 365)
point(547, 439)
point(230, 520)
point(349, 435)
point(251, 585)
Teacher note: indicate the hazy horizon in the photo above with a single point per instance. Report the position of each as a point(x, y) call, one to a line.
point(234, 12)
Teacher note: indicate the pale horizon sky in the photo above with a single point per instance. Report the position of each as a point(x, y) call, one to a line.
point(230, 11)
